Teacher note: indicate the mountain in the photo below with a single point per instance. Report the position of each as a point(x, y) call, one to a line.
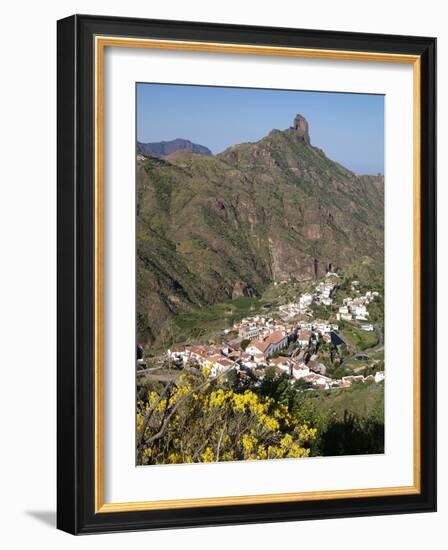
point(164, 148)
point(210, 228)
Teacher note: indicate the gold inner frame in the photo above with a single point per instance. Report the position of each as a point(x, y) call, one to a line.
point(101, 42)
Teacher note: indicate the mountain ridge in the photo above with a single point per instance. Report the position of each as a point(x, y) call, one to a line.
point(211, 228)
point(165, 148)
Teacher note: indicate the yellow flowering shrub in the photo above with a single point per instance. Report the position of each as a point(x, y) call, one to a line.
point(208, 455)
point(198, 421)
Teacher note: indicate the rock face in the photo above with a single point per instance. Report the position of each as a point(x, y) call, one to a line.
point(211, 228)
point(301, 128)
point(240, 289)
point(164, 148)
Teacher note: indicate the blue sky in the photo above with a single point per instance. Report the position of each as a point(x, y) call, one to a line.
point(348, 127)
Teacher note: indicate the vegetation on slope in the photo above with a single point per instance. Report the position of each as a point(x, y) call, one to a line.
point(211, 229)
point(197, 419)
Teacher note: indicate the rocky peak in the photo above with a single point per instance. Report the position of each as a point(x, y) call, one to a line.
point(300, 128)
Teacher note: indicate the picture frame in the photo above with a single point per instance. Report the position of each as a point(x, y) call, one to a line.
point(82, 42)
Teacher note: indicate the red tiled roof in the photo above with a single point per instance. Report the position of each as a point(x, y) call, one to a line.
point(260, 345)
point(275, 338)
point(225, 362)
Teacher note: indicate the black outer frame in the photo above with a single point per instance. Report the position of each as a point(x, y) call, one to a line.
point(75, 297)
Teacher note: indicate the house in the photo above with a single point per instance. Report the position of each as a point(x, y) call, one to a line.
point(305, 300)
point(360, 312)
point(282, 363)
point(268, 346)
point(290, 310)
point(234, 343)
point(300, 370)
point(256, 347)
point(220, 365)
point(303, 338)
point(276, 340)
point(177, 353)
point(344, 316)
point(249, 332)
point(198, 355)
point(248, 362)
point(233, 354)
point(205, 356)
point(317, 381)
point(367, 328)
point(260, 359)
point(321, 326)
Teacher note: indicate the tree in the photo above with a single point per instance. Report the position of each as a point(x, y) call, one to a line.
point(352, 435)
point(196, 420)
point(244, 343)
point(232, 379)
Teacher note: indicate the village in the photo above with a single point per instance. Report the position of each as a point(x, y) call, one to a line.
point(289, 341)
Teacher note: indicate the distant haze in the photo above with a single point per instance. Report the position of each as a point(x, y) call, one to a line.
point(348, 127)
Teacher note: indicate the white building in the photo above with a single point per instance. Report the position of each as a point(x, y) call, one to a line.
point(306, 300)
point(360, 313)
point(322, 326)
point(300, 371)
point(268, 346)
point(221, 365)
point(177, 353)
point(318, 381)
point(282, 363)
point(303, 338)
point(379, 376)
point(249, 332)
point(344, 316)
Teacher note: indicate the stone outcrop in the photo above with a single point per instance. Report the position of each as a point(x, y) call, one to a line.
point(301, 128)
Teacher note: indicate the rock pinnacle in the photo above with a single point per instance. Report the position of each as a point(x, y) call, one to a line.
point(301, 128)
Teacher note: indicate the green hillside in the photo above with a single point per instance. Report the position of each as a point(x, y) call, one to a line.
point(214, 228)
